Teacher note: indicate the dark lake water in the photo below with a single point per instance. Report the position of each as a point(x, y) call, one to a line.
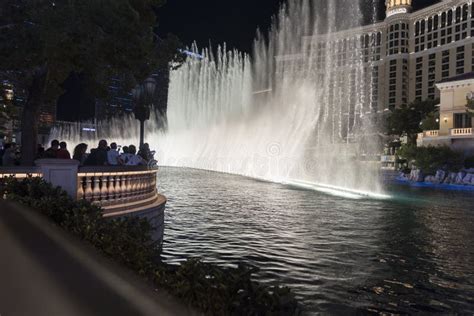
point(411, 253)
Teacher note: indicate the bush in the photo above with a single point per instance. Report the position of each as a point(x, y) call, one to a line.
point(126, 240)
point(469, 162)
point(429, 159)
point(209, 288)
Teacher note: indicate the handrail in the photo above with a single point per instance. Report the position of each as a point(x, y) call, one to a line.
point(89, 169)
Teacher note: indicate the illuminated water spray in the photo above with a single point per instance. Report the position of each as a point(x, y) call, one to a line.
point(298, 111)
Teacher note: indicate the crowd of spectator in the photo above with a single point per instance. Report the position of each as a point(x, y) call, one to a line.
point(103, 155)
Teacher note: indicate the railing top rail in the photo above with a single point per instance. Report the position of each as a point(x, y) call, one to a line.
point(115, 169)
point(19, 169)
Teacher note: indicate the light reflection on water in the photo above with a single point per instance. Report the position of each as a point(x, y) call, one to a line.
point(411, 253)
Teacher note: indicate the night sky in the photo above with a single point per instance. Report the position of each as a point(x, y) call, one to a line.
point(204, 21)
point(230, 21)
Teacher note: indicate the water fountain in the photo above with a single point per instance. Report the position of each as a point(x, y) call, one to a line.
point(285, 115)
point(298, 111)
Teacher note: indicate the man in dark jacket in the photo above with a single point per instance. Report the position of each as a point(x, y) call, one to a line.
point(52, 152)
point(98, 156)
point(63, 153)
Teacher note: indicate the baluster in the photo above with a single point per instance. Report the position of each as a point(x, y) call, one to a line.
point(142, 184)
point(80, 188)
point(133, 185)
point(96, 189)
point(88, 193)
point(150, 183)
point(119, 188)
point(139, 184)
point(154, 177)
point(126, 187)
point(104, 181)
point(112, 185)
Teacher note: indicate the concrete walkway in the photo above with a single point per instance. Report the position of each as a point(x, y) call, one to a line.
point(44, 271)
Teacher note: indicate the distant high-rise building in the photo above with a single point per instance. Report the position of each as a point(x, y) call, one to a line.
point(118, 102)
point(13, 99)
point(120, 99)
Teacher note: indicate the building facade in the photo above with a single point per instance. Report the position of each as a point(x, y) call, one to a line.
point(455, 123)
point(403, 56)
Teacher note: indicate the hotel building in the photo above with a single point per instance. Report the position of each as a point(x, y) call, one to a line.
point(404, 56)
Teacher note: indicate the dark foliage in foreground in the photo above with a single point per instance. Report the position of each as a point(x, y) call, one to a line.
point(209, 288)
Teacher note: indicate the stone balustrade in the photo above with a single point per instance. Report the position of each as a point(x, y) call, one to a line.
point(114, 188)
point(461, 131)
point(120, 191)
point(434, 133)
point(110, 187)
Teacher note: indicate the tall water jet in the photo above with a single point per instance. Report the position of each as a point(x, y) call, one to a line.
point(299, 111)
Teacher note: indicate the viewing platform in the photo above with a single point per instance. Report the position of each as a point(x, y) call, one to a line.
point(118, 190)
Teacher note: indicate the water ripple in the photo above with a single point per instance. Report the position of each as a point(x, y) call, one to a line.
point(339, 255)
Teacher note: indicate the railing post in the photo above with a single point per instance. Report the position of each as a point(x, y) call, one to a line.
point(62, 173)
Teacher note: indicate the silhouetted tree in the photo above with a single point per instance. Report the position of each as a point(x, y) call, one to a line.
point(48, 40)
point(470, 106)
point(406, 119)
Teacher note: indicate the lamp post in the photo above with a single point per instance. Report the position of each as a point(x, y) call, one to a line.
point(143, 96)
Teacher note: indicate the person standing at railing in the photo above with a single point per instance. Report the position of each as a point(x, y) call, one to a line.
point(52, 152)
point(134, 159)
point(113, 155)
point(80, 153)
point(145, 152)
point(125, 156)
point(63, 153)
point(98, 156)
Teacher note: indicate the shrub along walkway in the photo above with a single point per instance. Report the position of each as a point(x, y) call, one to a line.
point(43, 271)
